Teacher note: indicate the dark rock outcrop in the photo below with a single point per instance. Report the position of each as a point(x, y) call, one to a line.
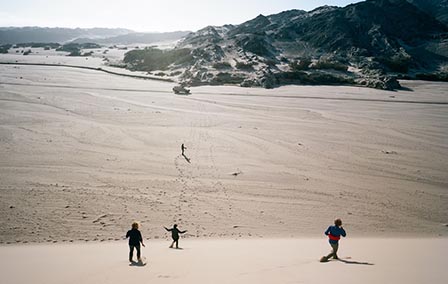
point(436, 8)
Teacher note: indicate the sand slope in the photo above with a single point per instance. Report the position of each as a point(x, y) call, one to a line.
point(83, 154)
point(229, 261)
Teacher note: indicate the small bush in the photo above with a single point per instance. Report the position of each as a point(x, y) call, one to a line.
point(244, 66)
point(70, 47)
point(4, 48)
point(433, 77)
point(175, 73)
point(75, 52)
point(397, 63)
point(328, 64)
point(227, 78)
point(270, 62)
point(300, 65)
point(150, 59)
point(75, 48)
point(89, 45)
point(300, 77)
point(222, 65)
point(52, 45)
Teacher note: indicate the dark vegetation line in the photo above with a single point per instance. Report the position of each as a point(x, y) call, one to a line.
point(88, 68)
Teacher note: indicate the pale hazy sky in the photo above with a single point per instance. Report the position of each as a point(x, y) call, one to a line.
point(149, 15)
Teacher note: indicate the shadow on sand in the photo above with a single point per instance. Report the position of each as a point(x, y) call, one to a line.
point(137, 263)
point(355, 262)
point(405, 89)
point(186, 158)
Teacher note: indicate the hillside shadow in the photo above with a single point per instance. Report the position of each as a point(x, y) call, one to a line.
point(407, 89)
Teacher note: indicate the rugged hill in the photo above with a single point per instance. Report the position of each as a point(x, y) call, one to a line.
point(367, 43)
point(436, 8)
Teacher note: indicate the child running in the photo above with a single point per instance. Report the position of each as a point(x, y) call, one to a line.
point(334, 234)
point(135, 238)
point(175, 235)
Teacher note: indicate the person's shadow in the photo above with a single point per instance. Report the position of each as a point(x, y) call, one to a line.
point(137, 263)
point(354, 262)
point(186, 158)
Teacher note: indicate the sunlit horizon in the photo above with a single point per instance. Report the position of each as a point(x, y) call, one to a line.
point(145, 16)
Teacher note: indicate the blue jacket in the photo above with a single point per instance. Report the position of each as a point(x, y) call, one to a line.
point(334, 233)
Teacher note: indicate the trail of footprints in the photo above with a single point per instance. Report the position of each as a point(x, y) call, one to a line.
point(193, 190)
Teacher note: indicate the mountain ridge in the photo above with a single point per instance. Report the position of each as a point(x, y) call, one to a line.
point(437, 8)
point(369, 43)
point(15, 35)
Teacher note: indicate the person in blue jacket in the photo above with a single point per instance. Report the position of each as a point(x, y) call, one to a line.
point(334, 234)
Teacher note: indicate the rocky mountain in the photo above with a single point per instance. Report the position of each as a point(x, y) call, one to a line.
point(436, 8)
point(369, 43)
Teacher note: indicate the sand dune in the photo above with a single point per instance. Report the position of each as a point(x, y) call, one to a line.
point(230, 261)
point(84, 153)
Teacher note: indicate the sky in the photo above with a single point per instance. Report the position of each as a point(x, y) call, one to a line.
point(146, 15)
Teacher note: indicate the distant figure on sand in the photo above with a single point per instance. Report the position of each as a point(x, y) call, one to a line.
point(182, 147)
point(175, 234)
point(135, 238)
point(334, 234)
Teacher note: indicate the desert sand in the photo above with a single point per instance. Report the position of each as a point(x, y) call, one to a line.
point(105, 58)
point(84, 153)
point(230, 261)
